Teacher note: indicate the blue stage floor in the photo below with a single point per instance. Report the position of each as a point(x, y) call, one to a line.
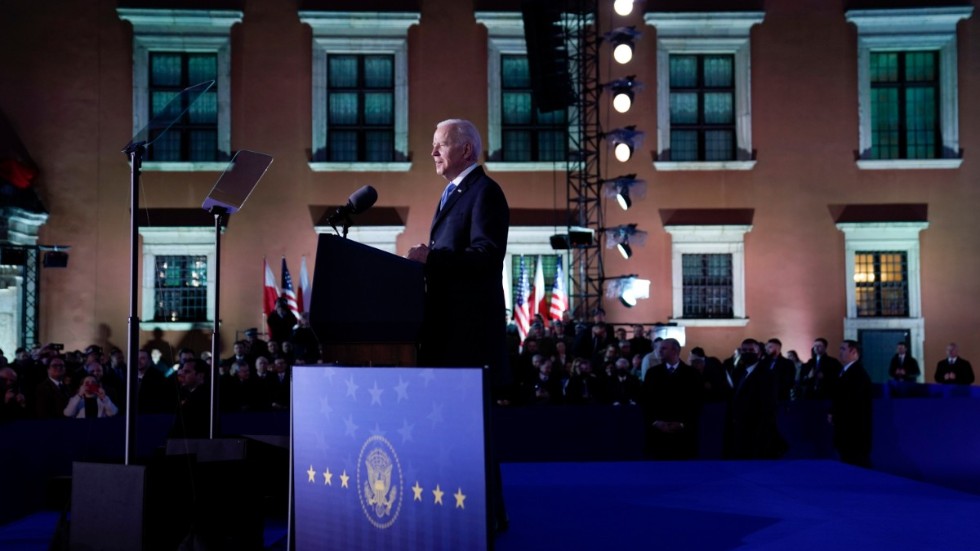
point(709, 505)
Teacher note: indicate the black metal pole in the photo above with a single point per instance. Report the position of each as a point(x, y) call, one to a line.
point(135, 153)
point(219, 214)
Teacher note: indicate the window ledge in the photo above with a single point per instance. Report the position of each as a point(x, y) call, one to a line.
point(534, 166)
point(669, 166)
point(175, 325)
point(160, 166)
point(360, 167)
point(689, 322)
point(910, 164)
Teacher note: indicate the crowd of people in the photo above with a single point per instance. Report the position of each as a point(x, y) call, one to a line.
point(557, 363)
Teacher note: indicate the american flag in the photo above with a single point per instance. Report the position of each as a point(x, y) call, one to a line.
point(522, 314)
point(559, 300)
point(269, 290)
point(287, 290)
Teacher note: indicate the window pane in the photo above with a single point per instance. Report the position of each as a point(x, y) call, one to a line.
point(167, 147)
point(683, 145)
point(719, 145)
point(379, 71)
point(683, 71)
point(884, 67)
point(379, 109)
point(204, 110)
point(201, 68)
point(342, 109)
point(193, 136)
point(920, 134)
point(517, 108)
point(920, 66)
point(203, 145)
point(380, 145)
point(881, 284)
point(165, 69)
point(718, 71)
point(343, 145)
point(342, 71)
point(514, 72)
point(718, 108)
point(884, 123)
point(683, 108)
point(517, 145)
point(551, 146)
point(707, 285)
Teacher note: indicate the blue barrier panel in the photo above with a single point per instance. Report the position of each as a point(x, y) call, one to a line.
point(389, 458)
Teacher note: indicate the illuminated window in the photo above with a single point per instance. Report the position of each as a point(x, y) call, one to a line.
point(881, 284)
point(905, 105)
point(181, 288)
point(702, 108)
point(360, 108)
point(707, 286)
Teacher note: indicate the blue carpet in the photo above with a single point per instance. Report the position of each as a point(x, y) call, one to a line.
point(713, 505)
point(708, 505)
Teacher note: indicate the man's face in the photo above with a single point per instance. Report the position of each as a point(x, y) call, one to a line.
point(261, 365)
point(819, 348)
point(847, 355)
point(900, 349)
point(238, 349)
point(243, 373)
point(749, 348)
point(280, 366)
point(952, 350)
point(670, 352)
point(144, 360)
point(638, 332)
point(450, 158)
point(56, 369)
point(187, 376)
point(772, 349)
point(95, 370)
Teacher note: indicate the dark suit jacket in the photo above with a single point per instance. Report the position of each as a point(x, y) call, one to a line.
point(851, 411)
point(910, 365)
point(464, 302)
point(818, 382)
point(784, 371)
point(50, 400)
point(673, 397)
point(961, 368)
point(752, 417)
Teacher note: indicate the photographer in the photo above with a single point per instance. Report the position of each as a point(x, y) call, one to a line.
point(90, 401)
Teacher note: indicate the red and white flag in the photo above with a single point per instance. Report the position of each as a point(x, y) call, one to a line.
point(559, 299)
point(270, 292)
point(287, 289)
point(538, 302)
point(521, 311)
point(305, 292)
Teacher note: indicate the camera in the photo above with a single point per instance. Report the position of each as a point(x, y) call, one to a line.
point(57, 346)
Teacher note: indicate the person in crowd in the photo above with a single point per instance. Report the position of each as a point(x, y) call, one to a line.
point(91, 401)
point(14, 405)
point(954, 370)
point(264, 383)
point(623, 388)
point(238, 354)
point(820, 372)
point(716, 385)
point(640, 343)
point(903, 367)
point(305, 341)
point(256, 346)
point(279, 386)
point(51, 395)
point(850, 411)
point(672, 398)
point(752, 432)
point(783, 370)
point(281, 321)
point(585, 386)
point(152, 386)
point(193, 419)
point(651, 359)
point(545, 387)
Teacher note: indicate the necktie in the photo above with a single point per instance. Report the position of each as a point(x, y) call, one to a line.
point(445, 194)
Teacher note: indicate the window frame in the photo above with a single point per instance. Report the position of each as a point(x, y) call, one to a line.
point(885, 237)
point(505, 36)
point(909, 30)
point(166, 30)
point(709, 239)
point(175, 241)
point(359, 33)
point(706, 33)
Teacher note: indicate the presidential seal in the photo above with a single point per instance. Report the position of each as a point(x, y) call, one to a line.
point(379, 482)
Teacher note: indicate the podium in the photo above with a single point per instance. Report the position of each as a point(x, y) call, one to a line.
point(367, 304)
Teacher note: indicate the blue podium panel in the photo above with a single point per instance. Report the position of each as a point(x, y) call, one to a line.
point(388, 458)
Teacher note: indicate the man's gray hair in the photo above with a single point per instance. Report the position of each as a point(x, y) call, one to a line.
point(464, 131)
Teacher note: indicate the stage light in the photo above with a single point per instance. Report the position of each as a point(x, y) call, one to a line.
point(628, 289)
point(623, 91)
point(624, 237)
point(624, 189)
point(624, 141)
point(623, 7)
point(622, 40)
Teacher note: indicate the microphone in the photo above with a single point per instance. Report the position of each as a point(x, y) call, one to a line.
point(358, 202)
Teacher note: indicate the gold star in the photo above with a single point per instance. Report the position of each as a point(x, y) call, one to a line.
point(311, 473)
point(459, 498)
point(328, 477)
point(438, 493)
point(417, 490)
point(343, 479)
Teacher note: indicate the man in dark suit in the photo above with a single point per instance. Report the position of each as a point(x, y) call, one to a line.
point(672, 397)
point(464, 259)
point(783, 370)
point(51, 395)
point(850, 411)
point(903, 367)
point(752, 432)
point(463, 323)
point(954, 370)
point(818, 375)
